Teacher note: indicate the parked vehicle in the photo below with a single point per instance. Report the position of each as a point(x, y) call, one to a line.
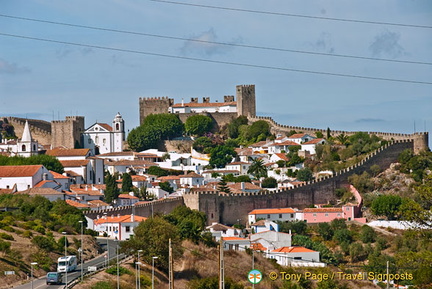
point(54, 278)
point(67, 263)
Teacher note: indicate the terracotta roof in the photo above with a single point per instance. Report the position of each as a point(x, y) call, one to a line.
point(6, 191)
point(131, 163)
point(297, 135)
point(19, 171)
point(106, 126)
point(63, 152)
point(191, 175)
point(282, 156)
point(221, 171)
point(322, 210)
point(97, 203)
point(138, 178)
point(314, 141)
point(219, 227)
point(259, 223)
point(168, 178)
point(247, 186)
point(42, 183)
point(208, 104)
point(292, 250)
point(259, 144)
point(127, 196)
point(204, 189)
point(72, 174)
point(234, 239)
point(258, 247)
point(119, 219)
point(58, 176)
point(272, 211)
point(285, 143)
point(74, 163)
point(76, 204)
point(40, 191)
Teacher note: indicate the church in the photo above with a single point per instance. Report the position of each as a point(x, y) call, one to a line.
point(101, 138)
point(25, 147)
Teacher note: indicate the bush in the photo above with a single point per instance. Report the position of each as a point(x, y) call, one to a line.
point(44, 243)
point(6, 236)
point(122, 270)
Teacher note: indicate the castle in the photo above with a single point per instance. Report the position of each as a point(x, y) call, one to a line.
point(221, 112)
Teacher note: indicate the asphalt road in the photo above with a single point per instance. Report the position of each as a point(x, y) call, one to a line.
point(99, 262)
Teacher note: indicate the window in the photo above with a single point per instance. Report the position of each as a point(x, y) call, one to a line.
point(23, 148)
point(34, 147)
point(127, 229)
point(347, 209)
point(268, 216)
point(314, 215)
point(104, 141)
point(96, 139)
point(280, 216)
point(117, 126)
point(326, 215)
point(292, 215)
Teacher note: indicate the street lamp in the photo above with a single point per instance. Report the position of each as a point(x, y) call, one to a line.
point(139, 270)
point(65, 259)
point(31, 273)
point(153, 260)
point(82, 249)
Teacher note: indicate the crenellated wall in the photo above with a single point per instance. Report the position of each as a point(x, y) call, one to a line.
point(40, 129)
point(230, 208)
point(420, 138)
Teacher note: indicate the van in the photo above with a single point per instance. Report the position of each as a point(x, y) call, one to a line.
point(54, 278)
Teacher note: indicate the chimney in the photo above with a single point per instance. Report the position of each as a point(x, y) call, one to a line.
point(132, 218)
point(45, 177)
point(242, 186)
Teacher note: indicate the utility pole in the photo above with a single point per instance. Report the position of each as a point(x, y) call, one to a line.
point(221, 265)
point(170, 267)
point(388, 285)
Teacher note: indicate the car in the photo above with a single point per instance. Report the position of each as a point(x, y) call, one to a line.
point(54, 278)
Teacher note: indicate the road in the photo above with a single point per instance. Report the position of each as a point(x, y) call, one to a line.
point(99, 262)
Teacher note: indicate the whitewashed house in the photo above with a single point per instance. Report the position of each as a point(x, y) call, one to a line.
point(273, 214)
point(119, 227)
point(311, 145)
point(23, 177)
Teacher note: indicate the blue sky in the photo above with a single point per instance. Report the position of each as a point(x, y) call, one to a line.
point(47, 80)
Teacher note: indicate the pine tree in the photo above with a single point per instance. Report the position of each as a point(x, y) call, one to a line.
point(222, 186)
point(111, 190)
point(127, 183)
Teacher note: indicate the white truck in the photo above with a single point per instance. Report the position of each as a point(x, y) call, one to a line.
point(67, 263)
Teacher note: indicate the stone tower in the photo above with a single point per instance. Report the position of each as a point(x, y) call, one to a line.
point(421, 142)
point(67, 133)
point(246, 104)
point(153, 105)
point(118, 133)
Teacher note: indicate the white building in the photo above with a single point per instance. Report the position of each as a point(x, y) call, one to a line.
point(102, 138)
point(23, 177)
point(219, 230)
point(117, 227)
point(277, 214)
point(25, 147)
point(311, 145)
point(205, 106)
point(295, 257)
point(300, 138)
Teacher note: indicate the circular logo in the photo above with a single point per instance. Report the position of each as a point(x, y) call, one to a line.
point(255, 276)
point(273, 275)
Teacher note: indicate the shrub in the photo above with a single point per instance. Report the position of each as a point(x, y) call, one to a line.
point(6, 236)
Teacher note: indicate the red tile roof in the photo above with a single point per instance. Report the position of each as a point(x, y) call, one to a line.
point(127, 196)
point(234, 239)
point(247, 186)
point(63, 152)
point(106, 126)
point(119, 219)
point(282, 156)
point(19, 171)
point(74, 163)
point(292, 250)
point(58, 176)
point(272, 211)
point(314, 141)
point(191, 175)
point(208, 104)
point(76, 204)
point(40, 191)
point(297, 135)
point(285, 143)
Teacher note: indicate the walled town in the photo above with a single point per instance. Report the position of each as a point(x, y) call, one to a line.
point(213, 174)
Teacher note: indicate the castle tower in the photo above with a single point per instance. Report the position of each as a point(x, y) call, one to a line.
point(26, 145)
point(153, 105)
point(67, 133)
point(118, 133)
point(246, 104)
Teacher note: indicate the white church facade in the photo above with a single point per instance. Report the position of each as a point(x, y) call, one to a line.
point(102, 138)
point(25, 147)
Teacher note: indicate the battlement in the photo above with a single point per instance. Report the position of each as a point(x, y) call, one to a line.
point(155, 98)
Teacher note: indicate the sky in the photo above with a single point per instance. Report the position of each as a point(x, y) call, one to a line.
point(359, 65)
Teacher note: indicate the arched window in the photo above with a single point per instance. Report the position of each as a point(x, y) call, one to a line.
point(34, 147)
point(23, 147)
point(117, 126)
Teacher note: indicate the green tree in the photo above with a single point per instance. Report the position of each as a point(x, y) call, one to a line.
point(325, 230)
point(258, 131)
point(111, 190)
point(269, 183)
point(221, 155)
point(296, 227)
point(152, 236)
point(166, 187)
point(198, 124)
point(127, 183)
point(367, 234)
point(203, 145)
point(155, 127)
point(387, 205)
point(157, 171)
point(257, 169)
point(222, 186)
point(304, 175)
point(343, 235)
point(233, 126)
point(49, 162)
point(190, 223)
